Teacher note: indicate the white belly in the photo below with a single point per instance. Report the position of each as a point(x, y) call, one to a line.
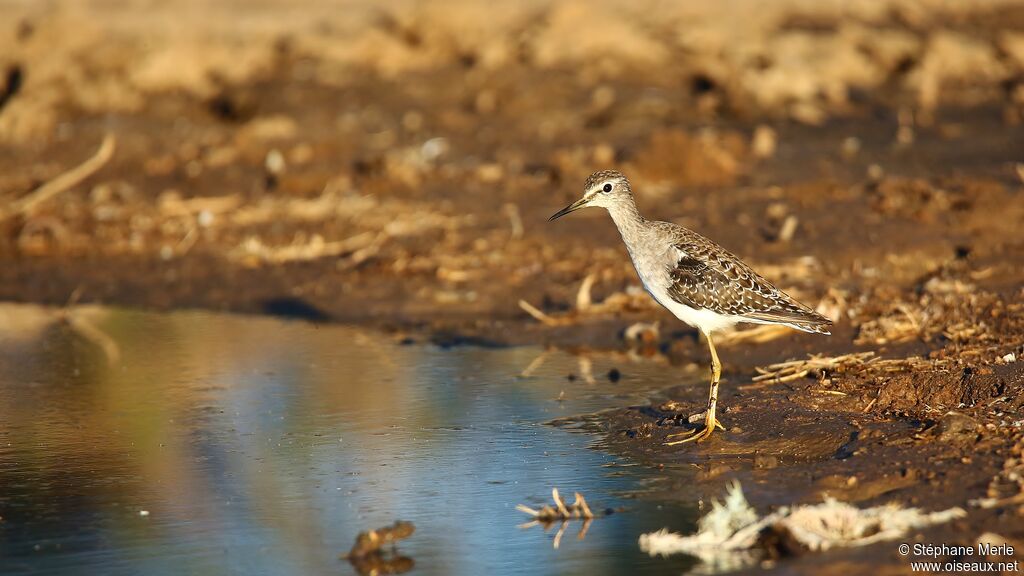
point(704, 320)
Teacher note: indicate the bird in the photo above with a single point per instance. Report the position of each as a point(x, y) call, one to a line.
point(697, 280)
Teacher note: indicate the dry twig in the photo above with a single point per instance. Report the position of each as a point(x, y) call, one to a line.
point(515, 220)
point(535, 364)
point(788, 228)
point(67, 180)
point(587, 370)
point(542, 317)
point(583, 300)
point(88, 331)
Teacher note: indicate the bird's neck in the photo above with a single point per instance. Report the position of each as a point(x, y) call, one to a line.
point(628, 220)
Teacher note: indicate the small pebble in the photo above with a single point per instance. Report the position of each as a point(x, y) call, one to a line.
point(143, 513)
point(205, 218)
point(764, 141)
point(433, 149)
point(851, 146)
point(274, 162)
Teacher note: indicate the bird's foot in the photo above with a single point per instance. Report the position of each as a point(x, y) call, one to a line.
point(702, 433)
point(707, 427)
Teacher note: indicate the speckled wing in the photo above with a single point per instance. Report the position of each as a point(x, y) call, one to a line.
point(706, 277)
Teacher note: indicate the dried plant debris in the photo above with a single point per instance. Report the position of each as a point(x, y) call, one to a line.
point(65, 181)
point(357, 249)
point(946, 307)
point(368, 557)
point(543, 317)
point(826, 367)
point(645, 333)
point(578, 509)
point(815, 364)
point(371, 541)
point(562, 513)
point(732, 535)
point(632, 299)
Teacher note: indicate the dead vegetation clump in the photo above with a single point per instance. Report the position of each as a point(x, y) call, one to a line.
point(921, 199)
point(946, 307)
point(817, 366)
point(732, 535)
point(824, 368)
point(374, 551)
point(974, 338)
point(172, 225)
point(561, 512)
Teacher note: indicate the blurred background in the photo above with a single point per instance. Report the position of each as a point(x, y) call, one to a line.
point(392, 159)
point(392, 165)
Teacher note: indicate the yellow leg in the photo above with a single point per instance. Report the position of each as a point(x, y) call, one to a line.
point(710, 421)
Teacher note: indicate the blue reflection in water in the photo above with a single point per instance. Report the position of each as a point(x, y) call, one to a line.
point(263, 447)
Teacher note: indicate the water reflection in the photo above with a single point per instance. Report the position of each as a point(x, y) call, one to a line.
point(197, 443)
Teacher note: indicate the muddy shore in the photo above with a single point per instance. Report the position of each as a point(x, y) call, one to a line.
point(384, 169)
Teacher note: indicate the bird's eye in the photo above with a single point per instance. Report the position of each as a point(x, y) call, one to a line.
point(607, 188)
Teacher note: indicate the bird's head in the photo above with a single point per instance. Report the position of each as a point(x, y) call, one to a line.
point(604, 189)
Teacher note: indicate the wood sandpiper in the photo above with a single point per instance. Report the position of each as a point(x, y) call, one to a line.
point(696, 279)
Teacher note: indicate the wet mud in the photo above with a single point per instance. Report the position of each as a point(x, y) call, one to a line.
point(388, 169)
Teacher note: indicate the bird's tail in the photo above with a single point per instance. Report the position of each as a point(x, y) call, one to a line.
point(819, 325)
point(803, 320)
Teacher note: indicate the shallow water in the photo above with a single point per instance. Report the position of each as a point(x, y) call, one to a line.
point(199, 443)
